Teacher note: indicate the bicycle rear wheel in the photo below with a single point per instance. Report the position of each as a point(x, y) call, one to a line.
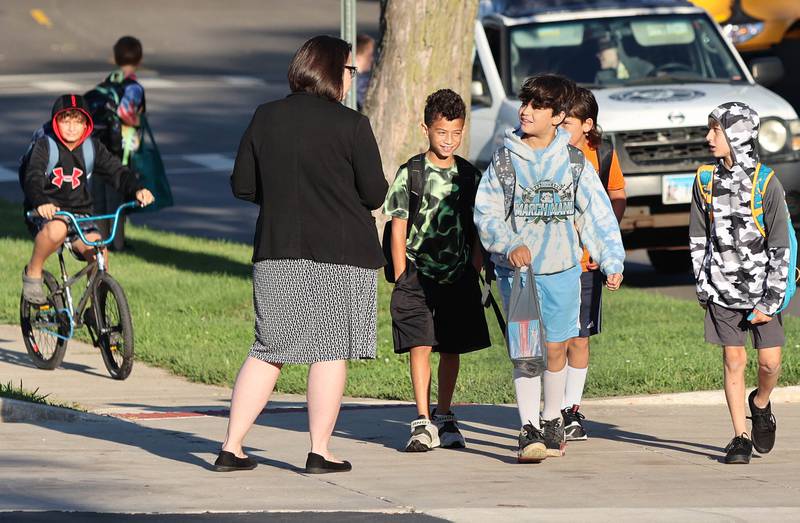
point(114, 327)
point(43, 324)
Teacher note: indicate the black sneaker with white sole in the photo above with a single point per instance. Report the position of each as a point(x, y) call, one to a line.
point(739, 450)
point(553, 431)
point(424, 436)
point(449, 435)
point(573, 424)
point(532, 448)
point(764, 425)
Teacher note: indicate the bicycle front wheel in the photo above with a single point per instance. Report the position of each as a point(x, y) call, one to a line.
point(114, 327)
point(45, 328)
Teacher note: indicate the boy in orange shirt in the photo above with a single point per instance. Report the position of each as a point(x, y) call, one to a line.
point(581, 123)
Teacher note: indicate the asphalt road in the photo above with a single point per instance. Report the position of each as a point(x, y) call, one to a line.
point(207, 66)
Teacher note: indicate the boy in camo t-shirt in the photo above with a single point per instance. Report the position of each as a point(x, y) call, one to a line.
point(741, 273)
point(436, 302)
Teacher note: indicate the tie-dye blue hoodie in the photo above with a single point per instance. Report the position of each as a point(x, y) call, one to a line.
point(552, 217)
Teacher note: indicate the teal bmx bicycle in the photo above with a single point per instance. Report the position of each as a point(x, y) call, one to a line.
point(103, 308)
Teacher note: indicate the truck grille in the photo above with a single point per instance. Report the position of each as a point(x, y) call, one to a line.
point(664, 149)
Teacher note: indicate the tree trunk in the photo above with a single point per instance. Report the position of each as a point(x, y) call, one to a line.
point(425, 45)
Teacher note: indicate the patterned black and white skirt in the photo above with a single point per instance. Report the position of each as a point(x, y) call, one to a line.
point(308, 311)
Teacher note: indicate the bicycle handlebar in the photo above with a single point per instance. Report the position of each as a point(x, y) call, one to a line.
point(77, 221)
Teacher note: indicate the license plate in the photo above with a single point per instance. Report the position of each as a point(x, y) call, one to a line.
point(677, 188)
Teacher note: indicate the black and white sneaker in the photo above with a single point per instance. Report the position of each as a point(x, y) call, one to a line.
point(573, 424)
point(764, 425)
point(531, 445)
point(553, 431)
point(449, 435)
point(424, 436)
point(739, 450)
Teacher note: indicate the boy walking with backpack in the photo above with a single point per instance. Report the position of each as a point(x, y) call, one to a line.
point(581, 123)
point(537, 202)
point(743, 252)
point(117, 105)
point(435, 260)
point(55, 174)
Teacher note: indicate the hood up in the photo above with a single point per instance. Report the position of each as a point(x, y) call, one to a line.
point(69, 102)
point(740, 124)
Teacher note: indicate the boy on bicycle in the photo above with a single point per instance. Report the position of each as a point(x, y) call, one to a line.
point(58, 181)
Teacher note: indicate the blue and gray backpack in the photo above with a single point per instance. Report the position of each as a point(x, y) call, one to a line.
point(761, 179)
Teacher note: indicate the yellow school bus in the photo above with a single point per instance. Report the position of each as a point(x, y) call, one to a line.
point(755, 25)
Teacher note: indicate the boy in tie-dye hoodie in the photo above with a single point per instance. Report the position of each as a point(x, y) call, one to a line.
point(537, 202)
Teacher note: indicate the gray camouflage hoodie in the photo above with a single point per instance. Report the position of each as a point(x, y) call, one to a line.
point(734, 265)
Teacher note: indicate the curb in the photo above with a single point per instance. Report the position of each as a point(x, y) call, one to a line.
point(779, 395)
point(18, 411)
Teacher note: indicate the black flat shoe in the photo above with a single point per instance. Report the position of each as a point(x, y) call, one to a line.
point(316, 464)
point(228, 462)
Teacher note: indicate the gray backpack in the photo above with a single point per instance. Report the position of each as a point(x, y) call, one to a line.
point(507, 176)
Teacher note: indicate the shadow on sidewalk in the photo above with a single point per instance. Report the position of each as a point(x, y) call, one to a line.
point(614, 433)
point(21, 359)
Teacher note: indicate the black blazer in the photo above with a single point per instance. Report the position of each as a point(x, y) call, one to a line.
point(314, 168)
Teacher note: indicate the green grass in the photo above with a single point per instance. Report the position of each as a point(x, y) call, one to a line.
point(191, 303)
point(9, 390)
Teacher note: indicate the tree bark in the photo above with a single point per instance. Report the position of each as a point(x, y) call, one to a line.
point(425, 45)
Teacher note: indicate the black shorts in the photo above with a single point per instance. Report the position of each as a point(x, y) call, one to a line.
point(591, 303)
point(36, 223)
point(729, 327)
point(448, 317)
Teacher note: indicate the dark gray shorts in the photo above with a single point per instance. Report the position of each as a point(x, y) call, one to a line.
point(729, 327)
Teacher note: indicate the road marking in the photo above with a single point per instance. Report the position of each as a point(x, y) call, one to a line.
point(41, 18)
point(56, 86)
point(7, 175)
point(214, 162)
point(157, 83)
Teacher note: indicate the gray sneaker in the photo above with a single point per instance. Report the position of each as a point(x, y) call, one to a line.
point(449, 435)
point(424, 436)
point(32, 289)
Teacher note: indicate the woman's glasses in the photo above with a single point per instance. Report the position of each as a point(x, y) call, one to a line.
point(353, 70)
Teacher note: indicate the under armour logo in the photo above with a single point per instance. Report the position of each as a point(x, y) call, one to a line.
point(59, 177)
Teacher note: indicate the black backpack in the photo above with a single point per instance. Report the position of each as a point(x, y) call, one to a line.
point(605, 153)
point(416, 185)
point(102, 102)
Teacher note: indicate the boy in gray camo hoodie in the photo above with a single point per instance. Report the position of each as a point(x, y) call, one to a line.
point(741, 273)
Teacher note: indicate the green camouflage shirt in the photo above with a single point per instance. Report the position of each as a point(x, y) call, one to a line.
point(436, 243)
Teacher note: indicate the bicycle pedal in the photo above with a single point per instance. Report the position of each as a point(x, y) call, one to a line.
point(44, 307)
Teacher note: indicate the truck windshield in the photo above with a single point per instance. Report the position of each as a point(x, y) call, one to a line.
point(640, 50)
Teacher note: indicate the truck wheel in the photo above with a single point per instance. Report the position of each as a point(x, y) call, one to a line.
point(670, 262)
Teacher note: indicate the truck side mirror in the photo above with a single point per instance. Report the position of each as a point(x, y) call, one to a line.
point(479, 95)
point(767, 70)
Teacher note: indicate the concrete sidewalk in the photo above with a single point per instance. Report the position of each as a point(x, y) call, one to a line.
point(645, 460)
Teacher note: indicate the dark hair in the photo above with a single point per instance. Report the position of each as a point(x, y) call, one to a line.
point(128, 51)
point(584, 106)
point(363, 40)
point(71, 113)
point(548, 91)
point(318, 66)
point(444, 103)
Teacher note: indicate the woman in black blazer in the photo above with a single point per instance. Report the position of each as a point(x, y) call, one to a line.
point(313, 167)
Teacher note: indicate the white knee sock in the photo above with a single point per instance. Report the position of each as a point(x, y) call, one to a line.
point(576, 380)
point(529, 398)
point(554, 383)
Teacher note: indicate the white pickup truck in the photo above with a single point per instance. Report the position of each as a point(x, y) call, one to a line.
point(666, 66)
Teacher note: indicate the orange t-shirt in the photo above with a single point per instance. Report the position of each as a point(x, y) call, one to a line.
point(616, 182)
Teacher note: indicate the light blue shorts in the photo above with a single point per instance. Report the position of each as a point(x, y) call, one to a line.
point(559, 298)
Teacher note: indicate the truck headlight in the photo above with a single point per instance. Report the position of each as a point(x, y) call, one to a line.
point(741, 33)
point(772, 136)
point(794, 129)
